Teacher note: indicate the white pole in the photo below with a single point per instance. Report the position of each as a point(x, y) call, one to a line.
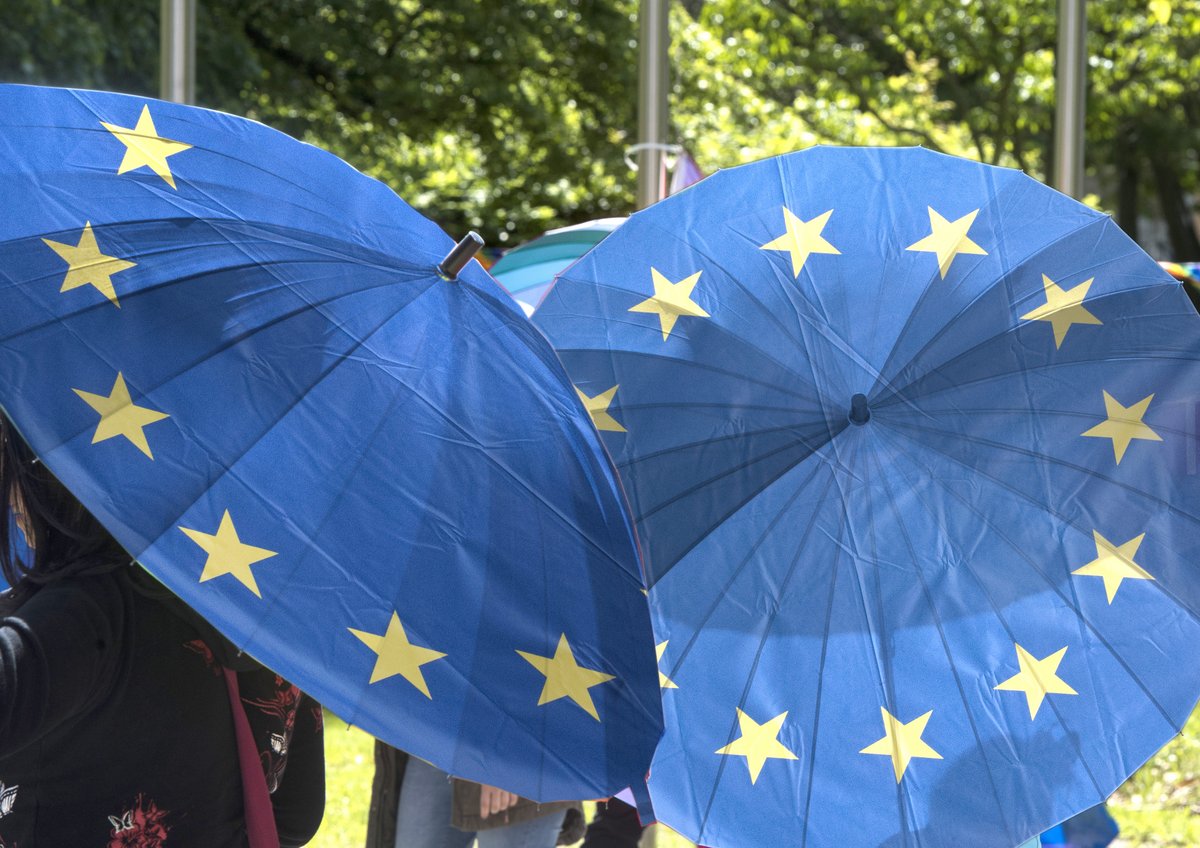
point(1070, 96)
point(177, 59)
point(653, 70)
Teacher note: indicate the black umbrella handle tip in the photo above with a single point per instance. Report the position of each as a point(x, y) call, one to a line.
point(460, 255)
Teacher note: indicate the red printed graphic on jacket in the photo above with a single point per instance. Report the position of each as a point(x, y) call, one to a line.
point(282, 705)
point(143, 826)
point(198, 646)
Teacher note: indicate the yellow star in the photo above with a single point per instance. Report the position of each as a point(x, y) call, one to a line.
point(597, 407)
point(1037, 679)
point(87, 266)
point(1114, 563)
point(566, 678)
point(396, 655)
point(1124, 424)
point(801, 239)
point(227, 554)
point(758, 743)
point(902, 742)
point(948, 239)
point(145, 148)
point(664, 682)
point(119, 416)
point(671, 300)
point(1063, 308)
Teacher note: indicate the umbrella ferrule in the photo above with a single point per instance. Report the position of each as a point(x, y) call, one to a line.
point(860, 413)
point(460, 255)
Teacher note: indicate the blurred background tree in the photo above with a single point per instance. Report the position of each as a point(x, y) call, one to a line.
point(512, 116)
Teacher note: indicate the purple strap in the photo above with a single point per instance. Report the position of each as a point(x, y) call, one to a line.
point(260, 815)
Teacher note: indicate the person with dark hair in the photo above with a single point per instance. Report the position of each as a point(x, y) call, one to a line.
point(126, 720)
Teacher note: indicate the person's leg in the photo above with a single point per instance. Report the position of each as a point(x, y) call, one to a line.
point(541, 832)
point(423, 818)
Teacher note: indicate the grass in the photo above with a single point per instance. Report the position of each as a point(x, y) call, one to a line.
point(1157, 808)
point(349, 766)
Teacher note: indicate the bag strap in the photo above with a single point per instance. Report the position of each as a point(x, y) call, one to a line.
point(260, 815)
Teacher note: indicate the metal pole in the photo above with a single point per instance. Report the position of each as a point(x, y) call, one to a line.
point(1070, 96)
point(653, 69)
point(177, 57)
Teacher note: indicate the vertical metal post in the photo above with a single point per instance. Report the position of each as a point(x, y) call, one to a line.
point(653, 72)
point(177, 57)
point(1070, 96)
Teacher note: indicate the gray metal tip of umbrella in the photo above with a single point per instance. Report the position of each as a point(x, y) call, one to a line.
point(460, 255)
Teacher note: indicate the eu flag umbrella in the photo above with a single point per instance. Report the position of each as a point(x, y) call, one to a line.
point(239, 354)
point(910, 445)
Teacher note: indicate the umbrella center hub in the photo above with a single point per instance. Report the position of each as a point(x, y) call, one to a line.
point(860, 413)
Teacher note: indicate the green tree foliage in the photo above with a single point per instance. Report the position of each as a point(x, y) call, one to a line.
point(506, 116)
point(970, 78)
point(511, 116)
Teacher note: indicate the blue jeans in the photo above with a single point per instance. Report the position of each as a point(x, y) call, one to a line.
point(423, 819)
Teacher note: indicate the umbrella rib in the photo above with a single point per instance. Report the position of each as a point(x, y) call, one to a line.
point(893, 399)
point(941, 633)
point(365, 344)
point(227, 345)
point(824, 326)
point(319, 378)
point(693, 489)
point(897, 392)
point(765, 636)
point(358, 343)
point(927, 292)
point(887, 681)
point(1026, 411)
point(719, 597)
point(309, 549)
point(949, 325)
point(733, 437)
point(812, 758)
point(397, 267)
point(301, 187)
point(1164, 504)
point(1073, 604)
point(741, 378)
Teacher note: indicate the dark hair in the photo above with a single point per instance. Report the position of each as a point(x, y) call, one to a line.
point(66, 539)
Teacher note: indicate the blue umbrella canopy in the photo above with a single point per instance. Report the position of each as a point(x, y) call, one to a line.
point(528, 271)
point(910, 444)
point(238, 353)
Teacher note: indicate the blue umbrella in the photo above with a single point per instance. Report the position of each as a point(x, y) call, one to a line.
point(239, 354)
point(907, 439)
point(528, 271)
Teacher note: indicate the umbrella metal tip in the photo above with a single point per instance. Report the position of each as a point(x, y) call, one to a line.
point(460, 255)
point(860, 413)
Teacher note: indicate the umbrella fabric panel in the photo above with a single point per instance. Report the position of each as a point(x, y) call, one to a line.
point(375, 442)
point(1126, 295)
point(75, 156)
point(857, 585)
point(1007, 500)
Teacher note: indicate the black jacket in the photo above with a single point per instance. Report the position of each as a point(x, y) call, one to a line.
point(116, 728)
